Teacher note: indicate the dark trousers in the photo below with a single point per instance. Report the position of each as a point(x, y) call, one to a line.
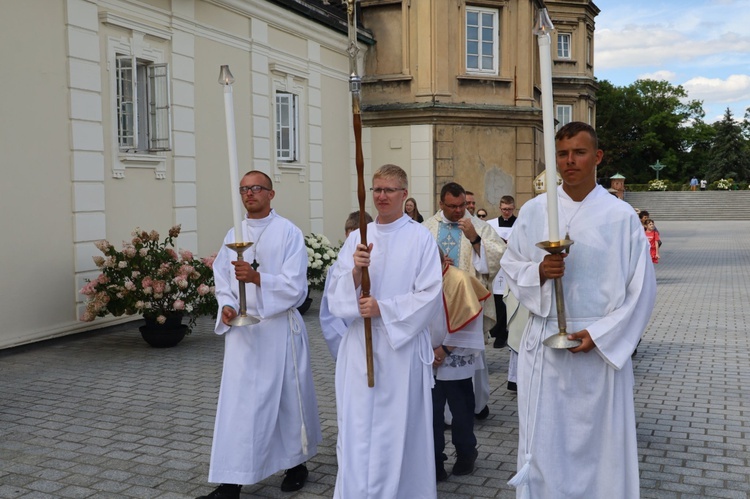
point(460, 397)
point(500, 330)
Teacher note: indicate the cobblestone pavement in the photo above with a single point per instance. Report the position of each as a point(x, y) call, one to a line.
point(103, 415)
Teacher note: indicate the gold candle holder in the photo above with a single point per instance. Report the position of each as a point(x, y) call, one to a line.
point(560, 339)
point(242, 318)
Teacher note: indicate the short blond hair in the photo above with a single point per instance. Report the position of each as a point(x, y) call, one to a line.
point(394, 172)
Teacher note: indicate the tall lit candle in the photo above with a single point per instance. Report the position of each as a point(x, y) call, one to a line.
point(226, 79)
point(542, 30)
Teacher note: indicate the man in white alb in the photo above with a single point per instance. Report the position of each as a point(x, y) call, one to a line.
point(267, 416)
point(577, 436)
point(385, 447)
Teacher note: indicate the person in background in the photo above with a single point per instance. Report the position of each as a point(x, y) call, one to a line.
point(482, 214)
point(471, 203)
point(410, 208)
point(653, 239)
point(457, 342)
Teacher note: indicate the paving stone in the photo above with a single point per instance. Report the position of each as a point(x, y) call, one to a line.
point(100, 414)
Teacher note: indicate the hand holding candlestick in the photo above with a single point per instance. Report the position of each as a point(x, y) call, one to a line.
point(543, 29)
point(226, 79)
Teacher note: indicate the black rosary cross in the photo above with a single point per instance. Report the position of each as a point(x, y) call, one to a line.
point(255, 264)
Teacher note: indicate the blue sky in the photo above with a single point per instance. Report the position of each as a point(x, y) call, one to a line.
point(703, 45)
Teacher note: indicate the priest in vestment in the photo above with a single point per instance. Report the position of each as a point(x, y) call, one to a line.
point(385, 447)
point(267, 416)
point(577, 435)
point(474, 247)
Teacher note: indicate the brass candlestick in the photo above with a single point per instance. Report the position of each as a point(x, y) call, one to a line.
point(242, 318)
point(560, 339)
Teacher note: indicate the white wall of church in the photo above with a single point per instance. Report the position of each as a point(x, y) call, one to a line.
point(65, 182)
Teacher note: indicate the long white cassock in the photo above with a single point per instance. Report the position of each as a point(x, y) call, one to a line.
point(385, 447)
point(266, 385)
point(576, 414)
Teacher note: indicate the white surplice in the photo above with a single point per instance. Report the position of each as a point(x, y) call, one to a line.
point(385, 447)
point(577, 436)
point(267, 390)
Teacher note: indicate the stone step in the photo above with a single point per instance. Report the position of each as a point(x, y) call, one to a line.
point(688, 205)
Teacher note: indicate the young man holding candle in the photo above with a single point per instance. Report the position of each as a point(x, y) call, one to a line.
point(267, 415)
point(577, 434)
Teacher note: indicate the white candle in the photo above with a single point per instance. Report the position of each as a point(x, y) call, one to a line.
point(545, 61)
point(233, 166)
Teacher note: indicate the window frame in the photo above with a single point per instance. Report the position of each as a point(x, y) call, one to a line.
point(563, 108)
point(290, 115)
point(564, 46)
point(480, 41)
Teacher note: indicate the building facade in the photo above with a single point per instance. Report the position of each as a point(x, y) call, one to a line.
point(453, 87)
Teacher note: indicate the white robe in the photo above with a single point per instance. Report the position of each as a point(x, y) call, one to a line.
point(263, 395)
point(385, 447)
point(576, 414)
point(333, 327)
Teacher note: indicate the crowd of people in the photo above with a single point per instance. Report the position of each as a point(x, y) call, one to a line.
point(430, 311)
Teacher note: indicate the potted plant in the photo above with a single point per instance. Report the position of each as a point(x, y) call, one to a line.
point(149, 277)
point(320, 256)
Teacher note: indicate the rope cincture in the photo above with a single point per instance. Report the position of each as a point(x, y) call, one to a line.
point(295, 329)
point(520, 480)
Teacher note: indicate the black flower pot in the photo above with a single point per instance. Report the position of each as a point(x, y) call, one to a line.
point(164, 335)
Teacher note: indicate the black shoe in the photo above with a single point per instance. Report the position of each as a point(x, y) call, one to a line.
point(295, 478)
point(440, 474)
point(465, 464)
point(512, 386)
point(224, 491)
point(498, 343)
point(483, 413)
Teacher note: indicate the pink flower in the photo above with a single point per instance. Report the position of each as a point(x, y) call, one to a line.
point(178, 305)
point(103, 245)
point(143, 251)
point(175, 231)
point(172, 253)
point(154, 236)
point(186, 254)
point(203, 290)
point(99, 261)
point(209, 260)
point(102, 279)
point(161, 319)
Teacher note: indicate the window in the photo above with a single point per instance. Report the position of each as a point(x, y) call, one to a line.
point(482, 40)
point(287, 127)
point(143, 118)
point(563, 46)
point(564, 115)
point(589, 50)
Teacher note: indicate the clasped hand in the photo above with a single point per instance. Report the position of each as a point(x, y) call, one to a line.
point(468, 229)
point(552, 267)
point(368, 306)
point(245, 273)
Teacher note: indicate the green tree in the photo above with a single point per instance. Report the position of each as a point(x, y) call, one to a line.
point(643, 122)
point(730, 155)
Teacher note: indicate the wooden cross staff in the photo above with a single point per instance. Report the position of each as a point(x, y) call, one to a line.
point(355, 85)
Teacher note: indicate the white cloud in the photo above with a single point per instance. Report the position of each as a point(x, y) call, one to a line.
point(662, 74)
point(733, 89)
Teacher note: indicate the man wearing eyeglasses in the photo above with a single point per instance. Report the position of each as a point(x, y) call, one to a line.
point(503, 226)
point(385, 445)
point(267, 415)
point(473, 246)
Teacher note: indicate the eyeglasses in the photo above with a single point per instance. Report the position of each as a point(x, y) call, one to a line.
point(387, 190)
point(507, 209)
point(482, 215)
point(255, 189)
point(454, 206)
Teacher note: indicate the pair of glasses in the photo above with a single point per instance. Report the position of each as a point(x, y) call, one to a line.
point(255, 189)
point(482, 215)
point(388, 190)
point(454, 206)
point(507, 209)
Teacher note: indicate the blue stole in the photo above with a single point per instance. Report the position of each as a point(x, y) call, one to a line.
point(449, 240)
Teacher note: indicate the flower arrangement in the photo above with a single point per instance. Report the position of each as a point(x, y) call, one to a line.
point(149, 277)
point(724, 184)
point(657, 185)
point(320, 255)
